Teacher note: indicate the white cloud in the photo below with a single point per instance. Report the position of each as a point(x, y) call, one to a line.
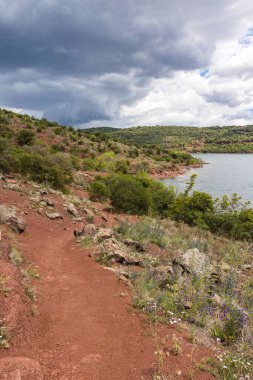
point(131, 63)
point(224, 97)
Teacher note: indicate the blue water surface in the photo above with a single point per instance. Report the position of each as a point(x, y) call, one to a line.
point(223, 174)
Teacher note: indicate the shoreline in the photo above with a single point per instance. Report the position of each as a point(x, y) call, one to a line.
point(174, 173)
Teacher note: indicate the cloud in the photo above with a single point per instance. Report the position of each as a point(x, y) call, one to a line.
point(89, 62)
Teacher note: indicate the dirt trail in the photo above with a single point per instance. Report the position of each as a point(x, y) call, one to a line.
point(86, 328)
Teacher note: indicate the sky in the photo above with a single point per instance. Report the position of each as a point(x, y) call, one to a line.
point(124, 63)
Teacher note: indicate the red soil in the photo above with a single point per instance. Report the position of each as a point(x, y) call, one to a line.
point(86, 328)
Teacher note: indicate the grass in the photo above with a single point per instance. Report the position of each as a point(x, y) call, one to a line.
point(147, 230)
point(193, 335)
point(176, 346)
point(34, 311)
point(31, 272)
point(4, 289)
point(218, 300)
point(86, 241)
point(16, 257)
point(3, 337)
point(103, 259)
point(229, 366)
point(30, 293)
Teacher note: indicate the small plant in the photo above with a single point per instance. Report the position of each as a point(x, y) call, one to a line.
point(89, 218)
point(103, 259)
point(34, 311)
point(146, 230)
point(31, 293)
point(160, 363)
point(16, 257)
point(228, 328)
point(192, 336)
point(3, 337)
point(4, 289)
point(159, 377)
point(176, 346)
point(31, 272)
point(86, 241)
point(231, 366)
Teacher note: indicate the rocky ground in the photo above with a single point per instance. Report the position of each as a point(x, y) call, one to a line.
point(64, 315)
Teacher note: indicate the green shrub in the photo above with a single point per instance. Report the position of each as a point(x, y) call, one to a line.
point(25, 137)
point(121, 166)
point(88, 164)
point(9, 158)
point(99, 191)
point(162, 198)
point(129, 195)
point(193, 208)
point(146, 230)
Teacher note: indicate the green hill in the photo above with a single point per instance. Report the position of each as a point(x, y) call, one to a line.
point(232, 139)
point(54, 154)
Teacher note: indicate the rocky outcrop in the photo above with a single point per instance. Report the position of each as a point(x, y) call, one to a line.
point(8, 216)
point(192, 261)
point(103, 234)
point(124, 258)
point(72, 210)
point(88, 230)
point(88, 213)
point(135, 244)
point(117, 252)
point(54, 215)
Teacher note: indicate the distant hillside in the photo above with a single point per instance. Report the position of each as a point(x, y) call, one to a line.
point(232, 139)
point(53, 154)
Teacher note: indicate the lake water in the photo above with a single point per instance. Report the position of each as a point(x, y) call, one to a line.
point(224, 174)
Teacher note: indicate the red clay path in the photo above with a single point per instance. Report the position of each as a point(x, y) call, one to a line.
point(85, 330)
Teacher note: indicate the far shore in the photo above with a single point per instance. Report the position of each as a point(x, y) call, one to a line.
point(175, 173)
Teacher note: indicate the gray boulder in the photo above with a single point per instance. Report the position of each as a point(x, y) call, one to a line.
point(88, 230)
point(124, 258)
point(103, 234)
point(54, 215)
point(72, 210)
point(8, 216)
point(118, 253)
point(192, 261)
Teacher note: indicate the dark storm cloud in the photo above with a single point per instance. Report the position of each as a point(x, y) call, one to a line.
point(81, 60)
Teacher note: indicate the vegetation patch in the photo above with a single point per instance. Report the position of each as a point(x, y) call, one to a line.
point(4, 285)
point(16, 257)
point(3, 337)
point(229, 139)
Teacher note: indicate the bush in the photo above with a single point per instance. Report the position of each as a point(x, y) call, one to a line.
point(36, 162)
point(129, 195)
point(136, 195)
point(99, 191)
point(162, 198)
point(25, 137)
point(122, 166)
point(54, 170)
point(233, 224)
point(9, 159)
point(192, 209)
point(88, 164)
